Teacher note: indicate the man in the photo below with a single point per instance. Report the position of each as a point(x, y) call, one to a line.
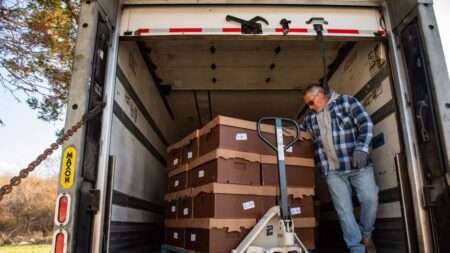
point(342, 132)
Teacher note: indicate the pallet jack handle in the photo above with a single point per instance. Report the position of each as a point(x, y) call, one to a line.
point(280, 148)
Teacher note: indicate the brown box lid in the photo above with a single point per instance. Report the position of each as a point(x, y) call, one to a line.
point(182, 168)
point(296, 161)
point(184, 141)
point(297, 192)
point(208, 223)
point(245, 124)
point(231, 224)
point(225, 153)
point(179, 194)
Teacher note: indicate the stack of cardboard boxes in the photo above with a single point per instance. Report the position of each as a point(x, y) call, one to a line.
point(223, 178)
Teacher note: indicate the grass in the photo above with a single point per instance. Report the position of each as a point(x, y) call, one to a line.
point(26, 249)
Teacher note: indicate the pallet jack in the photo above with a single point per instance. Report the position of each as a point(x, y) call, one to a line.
point(274, 232)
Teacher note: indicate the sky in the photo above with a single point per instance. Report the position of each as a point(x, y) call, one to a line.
point(24, 137)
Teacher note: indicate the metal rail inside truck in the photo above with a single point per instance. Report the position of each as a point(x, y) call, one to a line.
point(165, 68)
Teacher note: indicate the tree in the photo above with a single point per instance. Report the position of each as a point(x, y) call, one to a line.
point(37, 42)
point(30, 208)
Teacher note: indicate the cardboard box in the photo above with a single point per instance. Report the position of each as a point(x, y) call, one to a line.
point(185, 208)
point(175, 236)
point(305, 229)
point(299, 171)
point(235, 134)
point(213, 235)
point(226, 166)
point(183, 151)
point(170, 209)
point(178, 182)
point(301, 207)
point(218, 205)
point(213, 240)
point(300, 148)
point(190, 148)
point(307, 237)
point(173, 158)
point(177, 195)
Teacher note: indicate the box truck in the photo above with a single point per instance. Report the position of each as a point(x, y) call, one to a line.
point(165, 68)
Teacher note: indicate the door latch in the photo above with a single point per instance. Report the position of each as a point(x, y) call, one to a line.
point(249, 26)
point(285, 24)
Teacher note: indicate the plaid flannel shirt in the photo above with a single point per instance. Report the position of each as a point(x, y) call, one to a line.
point(351, 129)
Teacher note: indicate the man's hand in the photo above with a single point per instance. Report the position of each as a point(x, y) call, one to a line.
point(359, 159)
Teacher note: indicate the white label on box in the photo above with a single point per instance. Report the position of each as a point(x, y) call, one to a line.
point(193, 237)
point(248, 205)
point(175, 162)
point(201, 173)
point(189, 155)
point(296, 210)
point(241, 137)
point(176, 183)
point(175, 235)
point(290, 149)
point(173, 209)
point(185, 211)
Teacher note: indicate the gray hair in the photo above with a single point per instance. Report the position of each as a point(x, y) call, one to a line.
point(314, 88)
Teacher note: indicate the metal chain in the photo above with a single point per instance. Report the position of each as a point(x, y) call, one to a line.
point(15, 181)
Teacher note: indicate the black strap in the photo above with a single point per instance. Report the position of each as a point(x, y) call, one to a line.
point(319, 28)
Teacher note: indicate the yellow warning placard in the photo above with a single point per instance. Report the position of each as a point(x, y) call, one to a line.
point(68, 167)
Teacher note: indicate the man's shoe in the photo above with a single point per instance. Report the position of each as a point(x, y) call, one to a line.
point(370, 247)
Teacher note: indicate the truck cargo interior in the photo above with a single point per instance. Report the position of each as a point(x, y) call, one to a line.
point(183, 82)
point(168, 158)
point(197, 79)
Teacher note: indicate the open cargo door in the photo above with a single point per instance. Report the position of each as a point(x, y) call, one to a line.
point(426, 101)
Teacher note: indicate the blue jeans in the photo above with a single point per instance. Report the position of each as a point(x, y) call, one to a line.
point(340, 189)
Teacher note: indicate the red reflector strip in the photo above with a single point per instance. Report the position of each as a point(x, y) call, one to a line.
point(231, 30)
point(346, 31)
point(185, 30)
point(62, 209)
point(59, 244)
point(292, 30)
point(144, 30)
